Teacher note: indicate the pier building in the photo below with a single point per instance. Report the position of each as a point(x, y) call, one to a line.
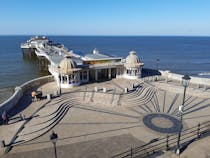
point(71, 69)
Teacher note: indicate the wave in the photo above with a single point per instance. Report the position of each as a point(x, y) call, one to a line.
point(200, 62)
point(204, 74)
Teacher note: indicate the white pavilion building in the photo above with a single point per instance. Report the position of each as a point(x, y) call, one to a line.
point(71, 71)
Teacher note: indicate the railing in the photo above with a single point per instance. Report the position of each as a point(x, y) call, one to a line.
point(169, 142)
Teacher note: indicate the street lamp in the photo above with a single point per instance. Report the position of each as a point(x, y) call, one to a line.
point(53, 139)
point(185, 82)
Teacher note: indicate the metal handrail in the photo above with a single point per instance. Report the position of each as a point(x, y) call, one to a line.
point(166, 143)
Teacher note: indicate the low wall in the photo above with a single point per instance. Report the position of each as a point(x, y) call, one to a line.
point(19, 91)
point(36, 83)
point(198, 81)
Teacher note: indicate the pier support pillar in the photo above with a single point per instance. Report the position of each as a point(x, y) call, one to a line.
point(96, 75)
point(109, 73)
point(88, 75)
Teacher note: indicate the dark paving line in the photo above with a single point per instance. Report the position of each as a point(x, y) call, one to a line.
point(53, 102)
point(60, 109)
point(157, 103)
point(136, 111)
point(194, 105)
point(148, 108)
point(96, 123)
point(164, 101)
point(200, 108)
point(57, 117)
point(200, 102)
point(100, 132)
point(105, 111)
point(153, 104)
point(88, 134)
point(63, 99)
point(196, 117)
point(140, 106)
point(66, 102)
point(177, 111)
point(173, 102)
point(42, 133)
point(186, 100)
point(186, 104)
point(8, 148)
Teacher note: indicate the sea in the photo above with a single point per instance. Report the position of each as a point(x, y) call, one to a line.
point(175, 53)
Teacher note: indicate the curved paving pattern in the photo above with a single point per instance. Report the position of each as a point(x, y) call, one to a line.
point(164, 123)
point(43, 121)
point(167, 102)
point(77, 117)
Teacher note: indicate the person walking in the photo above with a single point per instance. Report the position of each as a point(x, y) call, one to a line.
point(5, 117)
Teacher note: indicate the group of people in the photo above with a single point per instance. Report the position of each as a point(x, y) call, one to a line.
point(36, 95)
point(5, 117)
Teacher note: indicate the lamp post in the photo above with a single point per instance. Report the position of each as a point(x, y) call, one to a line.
point(53, 139)
point(185, 82)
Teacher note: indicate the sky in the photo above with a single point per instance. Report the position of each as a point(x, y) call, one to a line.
point(105, 17)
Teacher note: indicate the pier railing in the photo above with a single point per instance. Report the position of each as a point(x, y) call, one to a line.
point(160, 145)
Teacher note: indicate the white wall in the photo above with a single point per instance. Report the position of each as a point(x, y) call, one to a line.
point(19, 91)
point(194, 80)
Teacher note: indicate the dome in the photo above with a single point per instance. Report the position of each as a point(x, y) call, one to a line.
point(132, 60)
point(67, 66)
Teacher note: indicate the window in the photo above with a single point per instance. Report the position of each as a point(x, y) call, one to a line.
point(64, 79)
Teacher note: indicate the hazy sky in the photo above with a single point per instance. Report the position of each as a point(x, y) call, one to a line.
point(105, 17)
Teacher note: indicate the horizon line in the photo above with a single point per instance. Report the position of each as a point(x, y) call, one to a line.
point(105, 35)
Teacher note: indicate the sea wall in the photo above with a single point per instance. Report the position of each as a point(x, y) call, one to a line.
point(195, 81)
point(20, 90)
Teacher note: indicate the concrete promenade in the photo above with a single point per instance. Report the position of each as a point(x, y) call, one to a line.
point(102, 123)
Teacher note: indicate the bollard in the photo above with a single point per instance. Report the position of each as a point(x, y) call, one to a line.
point(104, 89)
point(96, 89)
point(48, 96)
point(126, 90)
